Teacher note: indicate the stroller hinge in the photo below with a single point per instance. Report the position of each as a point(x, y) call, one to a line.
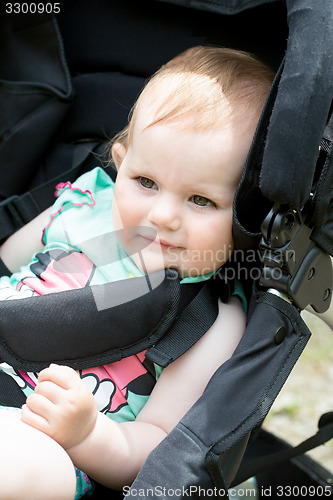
point(293, 264)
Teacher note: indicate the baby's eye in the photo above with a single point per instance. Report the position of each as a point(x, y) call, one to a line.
point(147, 183)
point(201, 201)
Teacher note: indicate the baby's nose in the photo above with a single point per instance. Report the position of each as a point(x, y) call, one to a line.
point(165, 212)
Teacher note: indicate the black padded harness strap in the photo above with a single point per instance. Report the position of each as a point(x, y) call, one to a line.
point(91, 326)
point(104, 323)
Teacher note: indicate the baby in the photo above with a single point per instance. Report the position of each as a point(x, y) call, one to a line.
point(178, 164)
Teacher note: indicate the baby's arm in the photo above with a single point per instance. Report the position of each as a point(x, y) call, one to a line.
point(113, 453)
point(18, 249)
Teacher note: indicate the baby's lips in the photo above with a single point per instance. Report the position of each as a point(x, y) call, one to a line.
point(133, 245)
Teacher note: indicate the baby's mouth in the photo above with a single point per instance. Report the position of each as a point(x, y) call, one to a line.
point(129, 238)
point(158, 242)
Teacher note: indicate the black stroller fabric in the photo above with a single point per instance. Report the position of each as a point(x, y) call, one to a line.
point(307, 83)
point(59, 110)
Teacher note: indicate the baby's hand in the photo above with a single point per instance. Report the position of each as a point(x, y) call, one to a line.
point(61, 406)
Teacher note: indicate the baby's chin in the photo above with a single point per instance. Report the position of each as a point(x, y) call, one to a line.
point(147, 264)
point(152, 265)
point(150, 261)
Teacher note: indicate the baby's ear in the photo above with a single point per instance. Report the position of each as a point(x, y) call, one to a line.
point(118, 153)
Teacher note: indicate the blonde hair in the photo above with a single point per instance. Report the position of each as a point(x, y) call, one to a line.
point(202, 87)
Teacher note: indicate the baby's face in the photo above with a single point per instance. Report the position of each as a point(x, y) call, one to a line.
point(174, 194)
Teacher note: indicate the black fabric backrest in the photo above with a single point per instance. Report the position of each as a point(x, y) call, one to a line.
point(113, 48)
point(130, 40)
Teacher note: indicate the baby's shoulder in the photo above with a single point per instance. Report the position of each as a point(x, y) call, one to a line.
point(96, 179)
point(79, 206)
point(85, 188)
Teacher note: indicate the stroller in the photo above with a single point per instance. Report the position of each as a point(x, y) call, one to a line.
point(60, 64)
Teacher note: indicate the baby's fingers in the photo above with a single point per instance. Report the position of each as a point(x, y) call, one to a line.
point(50, 391)
point(64, 376)
point(40, 405)
point(34, 420)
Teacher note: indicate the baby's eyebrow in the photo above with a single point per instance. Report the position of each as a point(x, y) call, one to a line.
point(215, 192)
point(138, 168)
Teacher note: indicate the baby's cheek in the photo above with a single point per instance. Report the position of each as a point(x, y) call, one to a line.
point(118, 221)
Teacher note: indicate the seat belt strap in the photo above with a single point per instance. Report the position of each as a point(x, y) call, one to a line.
point(324, 194)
